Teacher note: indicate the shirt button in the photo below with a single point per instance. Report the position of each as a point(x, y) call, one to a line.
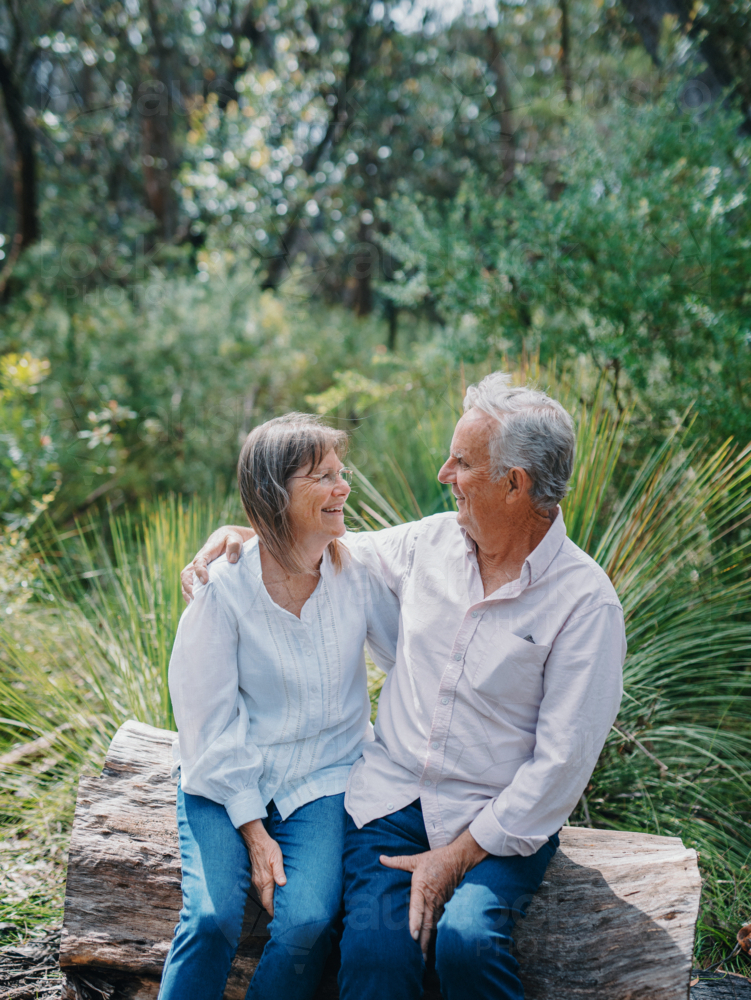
point(444, 701)
point(435, 744)
point(457, 656)
point(474, 614)
point(308, 652)
point(427, 782)
point(389, 805)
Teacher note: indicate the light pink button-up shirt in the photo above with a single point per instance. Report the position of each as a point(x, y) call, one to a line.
point(497, 708)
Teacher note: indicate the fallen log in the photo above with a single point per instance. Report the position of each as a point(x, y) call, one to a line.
point(613, 920)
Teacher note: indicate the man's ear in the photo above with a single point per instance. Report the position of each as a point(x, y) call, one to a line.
point(518, 484)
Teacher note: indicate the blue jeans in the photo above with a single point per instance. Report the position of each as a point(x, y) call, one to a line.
point(215, 883)
point(473, 939)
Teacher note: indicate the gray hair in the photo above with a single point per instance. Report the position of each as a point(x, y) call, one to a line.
point(533, 433)
point(273, 452)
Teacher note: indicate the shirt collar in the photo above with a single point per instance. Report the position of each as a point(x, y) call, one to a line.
point(540, 558)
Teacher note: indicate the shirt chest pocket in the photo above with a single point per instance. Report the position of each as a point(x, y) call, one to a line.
point(509, 669)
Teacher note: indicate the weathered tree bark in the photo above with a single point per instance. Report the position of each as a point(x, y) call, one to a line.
point(614, 919)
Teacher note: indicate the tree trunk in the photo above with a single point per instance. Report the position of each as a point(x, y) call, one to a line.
point(566, 49)
point(25, 168)
point(613, 920)
point(158, 156)
point(335, 128)
point(501, 105)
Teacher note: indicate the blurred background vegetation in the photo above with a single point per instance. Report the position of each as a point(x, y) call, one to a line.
point(212, 212)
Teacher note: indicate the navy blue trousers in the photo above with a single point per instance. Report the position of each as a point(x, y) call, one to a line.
point(473, 951)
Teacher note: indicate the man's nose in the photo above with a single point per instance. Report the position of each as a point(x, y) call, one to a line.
point(446, 472)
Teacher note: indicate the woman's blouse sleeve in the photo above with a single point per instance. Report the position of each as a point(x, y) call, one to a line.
point(216, 759)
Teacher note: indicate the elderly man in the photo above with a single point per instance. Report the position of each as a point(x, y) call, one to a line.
point(506, 682)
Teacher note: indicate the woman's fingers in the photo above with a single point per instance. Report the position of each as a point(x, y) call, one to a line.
point(265, 889)
point(277, 866)
point(263, 880)
point(266, 862)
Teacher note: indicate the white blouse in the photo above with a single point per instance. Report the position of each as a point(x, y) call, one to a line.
point(269, 705)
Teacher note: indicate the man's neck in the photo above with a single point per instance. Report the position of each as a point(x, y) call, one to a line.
point(502, 553)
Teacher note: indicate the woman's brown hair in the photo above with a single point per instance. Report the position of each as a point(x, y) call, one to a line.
point(272, 453)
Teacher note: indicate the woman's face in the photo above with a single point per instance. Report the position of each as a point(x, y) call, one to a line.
point(316, 507)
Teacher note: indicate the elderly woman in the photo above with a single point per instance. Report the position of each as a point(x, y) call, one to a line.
point(268, 684)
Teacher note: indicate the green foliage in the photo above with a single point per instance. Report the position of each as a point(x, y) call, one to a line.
point(152, 391)
point(636, 256)
point(29, 475)
point(90, 651)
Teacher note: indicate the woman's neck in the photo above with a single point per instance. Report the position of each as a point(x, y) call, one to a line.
point(308, 557)
point(289, 590)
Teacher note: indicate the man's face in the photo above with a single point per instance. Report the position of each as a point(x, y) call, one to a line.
point(480, 501)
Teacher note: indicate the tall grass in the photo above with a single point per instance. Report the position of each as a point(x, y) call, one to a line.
point(93, 649)
point(90, 651)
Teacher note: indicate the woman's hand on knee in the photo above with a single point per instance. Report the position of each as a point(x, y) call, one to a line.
point(266, 862)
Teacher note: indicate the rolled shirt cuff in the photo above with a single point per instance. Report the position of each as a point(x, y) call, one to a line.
point(494, 839)
point(245, 806)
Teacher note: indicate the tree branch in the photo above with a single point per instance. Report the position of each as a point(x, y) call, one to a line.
point(334, 130)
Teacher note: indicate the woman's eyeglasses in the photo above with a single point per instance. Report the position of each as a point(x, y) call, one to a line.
point(329, 478)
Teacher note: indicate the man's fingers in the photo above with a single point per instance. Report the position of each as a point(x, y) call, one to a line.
point(407, 863)
point(186, 583)
point(234, 547)
point(425, 931)
point(200, 567)
point(416, 913)
point(224, 539)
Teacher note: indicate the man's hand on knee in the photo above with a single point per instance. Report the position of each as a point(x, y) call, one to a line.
point(229, 538)
point(435, 876)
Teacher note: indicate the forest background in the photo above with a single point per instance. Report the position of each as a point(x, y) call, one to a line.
point(214, 211)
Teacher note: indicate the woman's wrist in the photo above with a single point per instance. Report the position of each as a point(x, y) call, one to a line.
point(253, 831)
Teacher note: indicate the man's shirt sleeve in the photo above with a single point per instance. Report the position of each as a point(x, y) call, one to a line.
point(582, 693)
point(386, 553)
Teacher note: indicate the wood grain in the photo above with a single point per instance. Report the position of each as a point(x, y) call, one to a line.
point(613, 920)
